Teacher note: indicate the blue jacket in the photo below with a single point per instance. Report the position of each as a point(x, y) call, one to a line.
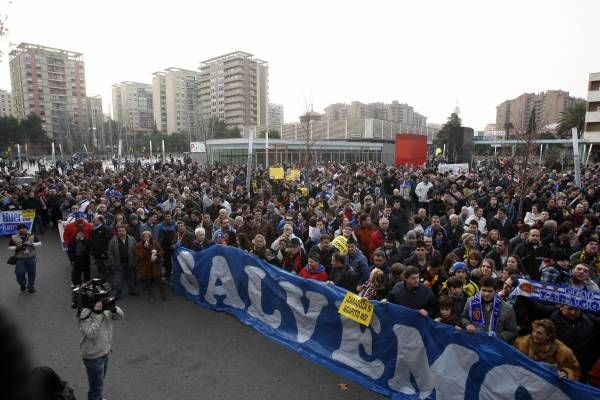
point(359, 263)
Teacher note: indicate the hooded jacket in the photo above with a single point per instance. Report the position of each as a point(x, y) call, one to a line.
point(319, 274)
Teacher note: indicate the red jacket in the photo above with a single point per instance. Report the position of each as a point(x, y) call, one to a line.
point(72, 229)
point(376, 241)
point(318, 275)
point(363, 235)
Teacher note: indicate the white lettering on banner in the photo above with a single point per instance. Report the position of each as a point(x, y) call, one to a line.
point(353, 337)
point(451, 370)
point(448, 374)
point(503, 381)
point(219, 271)
point(255, 276)
point(305, 321)
point(411, 358)
point(187, 278)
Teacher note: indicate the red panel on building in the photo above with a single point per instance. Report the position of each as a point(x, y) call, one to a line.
point(411, 149)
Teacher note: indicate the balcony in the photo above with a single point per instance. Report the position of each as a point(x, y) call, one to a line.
point(234, 99)
point(592, 116)
point(593, 95)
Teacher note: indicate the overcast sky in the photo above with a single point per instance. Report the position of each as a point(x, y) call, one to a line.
point(428, 54)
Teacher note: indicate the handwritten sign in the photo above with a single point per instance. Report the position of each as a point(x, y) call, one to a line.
point(357, 309)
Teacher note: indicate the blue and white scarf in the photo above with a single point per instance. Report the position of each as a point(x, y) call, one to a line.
point(476, 312)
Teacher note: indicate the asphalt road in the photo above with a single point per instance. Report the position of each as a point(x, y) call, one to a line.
point(167, 350)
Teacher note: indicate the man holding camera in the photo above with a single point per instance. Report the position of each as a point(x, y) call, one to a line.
point(24, 245)
point(96, 328)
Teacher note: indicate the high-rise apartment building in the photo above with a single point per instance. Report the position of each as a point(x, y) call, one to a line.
point(176, 100)
point(132, 106)
point(50, 82)
point(592, 115)
point(96, 120)
point(234, 88)
point(393, 112)
point(6, 104)
point(546, 106)
point(275, 116)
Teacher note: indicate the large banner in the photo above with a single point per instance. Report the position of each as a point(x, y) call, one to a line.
point(400, 354)
point(10, 219)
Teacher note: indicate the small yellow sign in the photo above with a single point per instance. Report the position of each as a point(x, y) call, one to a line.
point(357, 309)
point(341, 244)
point(276, 173)
point(293, 175)
point(28, 215)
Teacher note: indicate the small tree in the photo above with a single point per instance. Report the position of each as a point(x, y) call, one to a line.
point(442, 137)
point(273, 134)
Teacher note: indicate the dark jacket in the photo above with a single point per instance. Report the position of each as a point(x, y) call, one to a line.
point(418, 298)
point(345, 277)
point(100, 238)
point(79, 252)
point(532, 258)
point(581, 335)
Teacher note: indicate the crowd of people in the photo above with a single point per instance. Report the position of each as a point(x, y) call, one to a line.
point(450, 245)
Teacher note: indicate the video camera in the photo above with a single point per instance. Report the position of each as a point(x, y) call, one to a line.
point(89, 293)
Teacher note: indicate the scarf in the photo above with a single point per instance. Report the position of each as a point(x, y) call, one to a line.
point(536, 352)
point(476, 312)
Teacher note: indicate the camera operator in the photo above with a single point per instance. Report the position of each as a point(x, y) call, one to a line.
point(96, 328)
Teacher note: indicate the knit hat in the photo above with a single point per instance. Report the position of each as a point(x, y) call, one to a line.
point(411, 234)
point(467, 236)
point(458, 266)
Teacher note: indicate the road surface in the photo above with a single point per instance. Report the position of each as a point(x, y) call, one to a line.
point(167, 350)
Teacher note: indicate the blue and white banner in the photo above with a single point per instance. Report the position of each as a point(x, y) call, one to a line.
point(9, 220)
point(401, 354)
point(543, 291)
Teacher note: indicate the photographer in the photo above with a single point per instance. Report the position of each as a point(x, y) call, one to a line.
point(24, 245)
point(96, 328)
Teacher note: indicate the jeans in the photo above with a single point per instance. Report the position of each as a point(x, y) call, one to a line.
point(122, 273)
point(96, 372)
point(25, 266)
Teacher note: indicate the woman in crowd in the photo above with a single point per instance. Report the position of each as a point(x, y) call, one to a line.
point(374, 288)
point(150, 254)
point(543, 346)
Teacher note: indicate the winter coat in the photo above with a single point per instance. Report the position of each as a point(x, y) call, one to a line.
point(72, 229)
point(532, 258)
point(113, 252)
point(83, 258)
point(101, 237)
point(506, 326)
point(562, 357)
point(319, 274)
point(148, 269)
point(417, 298)
point(96, 332)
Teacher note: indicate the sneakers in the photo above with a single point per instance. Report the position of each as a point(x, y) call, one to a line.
point(23, 288)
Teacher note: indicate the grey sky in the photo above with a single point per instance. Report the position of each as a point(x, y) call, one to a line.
point(425, 53)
